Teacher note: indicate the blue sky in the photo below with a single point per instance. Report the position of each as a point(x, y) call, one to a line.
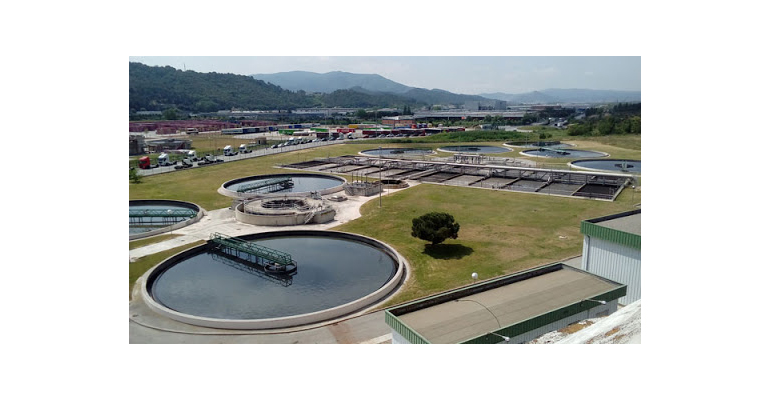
point(467, 75)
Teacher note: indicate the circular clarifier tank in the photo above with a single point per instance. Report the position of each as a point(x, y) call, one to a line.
point(336, 274)
point(474, 149)
point(550, 152)
point(396, 152)
point(632, 166)
point(281, 184)
point(551, 144)
point(151, 217)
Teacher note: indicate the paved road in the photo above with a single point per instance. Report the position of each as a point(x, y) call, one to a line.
point(242, 156)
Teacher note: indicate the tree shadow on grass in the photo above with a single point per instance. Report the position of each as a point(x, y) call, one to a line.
point(447, 251)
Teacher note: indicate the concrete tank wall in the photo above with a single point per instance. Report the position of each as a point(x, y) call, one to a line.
point(297, 218)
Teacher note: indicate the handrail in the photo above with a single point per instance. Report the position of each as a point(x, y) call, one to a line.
point(146, 212)
point(252, 248)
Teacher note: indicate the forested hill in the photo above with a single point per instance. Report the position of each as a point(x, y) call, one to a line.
point(160, 88)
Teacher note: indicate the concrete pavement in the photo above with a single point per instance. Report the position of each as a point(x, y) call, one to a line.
point(145, 326)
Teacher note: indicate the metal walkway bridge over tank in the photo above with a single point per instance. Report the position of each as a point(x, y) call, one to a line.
point(270, 259)
point(267, 185)
point(147, 215)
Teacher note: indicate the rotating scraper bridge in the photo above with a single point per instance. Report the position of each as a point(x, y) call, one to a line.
point(144, 215)
point(267, 185)
point(270, 259)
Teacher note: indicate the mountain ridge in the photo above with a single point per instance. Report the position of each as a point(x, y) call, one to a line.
point(573, 95)
point(328, 82)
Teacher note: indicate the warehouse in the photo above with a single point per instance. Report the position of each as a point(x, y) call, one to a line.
point(135, 145)
point(156, 146)
point(612, 248)
point(514, 308)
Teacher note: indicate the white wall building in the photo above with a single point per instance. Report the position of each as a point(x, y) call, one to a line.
point(612, 249)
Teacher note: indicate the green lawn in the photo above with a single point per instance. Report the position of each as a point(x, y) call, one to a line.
point(500, 232)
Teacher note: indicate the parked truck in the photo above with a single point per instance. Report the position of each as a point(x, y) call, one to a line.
point(164, 161)
point(186, 163)
point(228, 151)
point(192, 155)
point(242, 148)
point(212, 159)
point(144, 163)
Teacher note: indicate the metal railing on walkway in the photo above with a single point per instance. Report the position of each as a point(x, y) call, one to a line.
point(235, 246)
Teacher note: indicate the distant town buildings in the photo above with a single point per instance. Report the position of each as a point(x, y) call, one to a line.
point(399, 120)
point(486, 105)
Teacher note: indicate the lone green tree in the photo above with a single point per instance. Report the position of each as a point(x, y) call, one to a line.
point(435, 227)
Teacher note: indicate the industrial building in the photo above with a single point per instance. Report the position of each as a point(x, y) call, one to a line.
point(401, 120)
point(485, 105)
point(135, 145)
point(155, 146)
point(612, 248)
point(511, 309)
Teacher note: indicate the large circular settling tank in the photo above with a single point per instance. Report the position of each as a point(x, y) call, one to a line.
point(396, 152)
point(145, 216)
point(633, 166)
point(474, 149)
point(562, 153)
point(333, 269)
point(551, 144)
point(281, 184)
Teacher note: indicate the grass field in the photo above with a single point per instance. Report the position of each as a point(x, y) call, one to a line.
point(500, 232)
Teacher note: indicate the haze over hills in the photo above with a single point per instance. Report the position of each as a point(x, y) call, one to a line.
point(568, 96)
point(162, 88)
point(373, 83)
point(331, 81)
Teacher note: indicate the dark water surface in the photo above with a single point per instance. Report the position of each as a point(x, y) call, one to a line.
point(476, 149)
point(301, 183)
point(611, 165)
point(330, 272)
point(397, 152)
point(563, 153)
